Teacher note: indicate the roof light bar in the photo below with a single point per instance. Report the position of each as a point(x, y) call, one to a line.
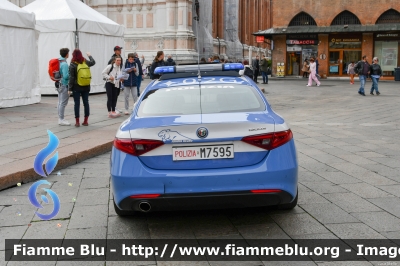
point(195, 68)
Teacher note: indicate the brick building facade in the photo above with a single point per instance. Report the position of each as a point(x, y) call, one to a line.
point(335, 32)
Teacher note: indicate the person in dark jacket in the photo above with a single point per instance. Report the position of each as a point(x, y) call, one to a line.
point(140, 63)
point(256, 68)
point(375, 71)
point(130, 84)
point(117, 52)
point(170, 61)
point(158, 61)
point(362, 70)
point(77, 90)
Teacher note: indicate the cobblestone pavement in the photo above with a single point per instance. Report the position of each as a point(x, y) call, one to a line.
point(349, 183)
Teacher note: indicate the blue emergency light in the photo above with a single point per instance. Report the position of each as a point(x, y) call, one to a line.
point(202, 67)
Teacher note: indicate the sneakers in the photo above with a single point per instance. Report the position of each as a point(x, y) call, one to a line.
point(318, 85)
point(63, 122)
point(377, 93)
point(126, 112)
point(308, 85)
point(113, 114)
point(372, 93)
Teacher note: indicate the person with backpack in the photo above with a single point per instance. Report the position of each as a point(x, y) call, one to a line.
point(79, 83)
point(140, 63)
point(112, 74)
point(264, 69)
point(247, 71)
point(170, 61)
point(117, 52)
point(158, 61)
point(63, 93)
point(362, 70)
point(256, 68)
point(131, 83)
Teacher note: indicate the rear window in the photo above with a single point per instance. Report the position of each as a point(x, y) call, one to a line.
point(210, 99)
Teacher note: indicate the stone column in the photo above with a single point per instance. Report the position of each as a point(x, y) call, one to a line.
point(323, 49)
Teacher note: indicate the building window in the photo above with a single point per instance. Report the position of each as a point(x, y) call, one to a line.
point(302, 19)
point(345, 18)
point(390, 16)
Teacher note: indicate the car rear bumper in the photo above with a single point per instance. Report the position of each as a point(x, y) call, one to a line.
point(198, 201)
point(278, 170)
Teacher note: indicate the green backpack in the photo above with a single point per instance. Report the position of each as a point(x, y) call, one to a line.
point(83, 76)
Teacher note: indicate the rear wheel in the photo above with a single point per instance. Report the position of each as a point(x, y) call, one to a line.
point(122, 212)
point(289, 206)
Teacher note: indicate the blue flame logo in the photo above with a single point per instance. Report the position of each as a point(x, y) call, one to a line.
point(49, 166)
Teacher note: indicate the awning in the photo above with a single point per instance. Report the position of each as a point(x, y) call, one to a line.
point(329, 29)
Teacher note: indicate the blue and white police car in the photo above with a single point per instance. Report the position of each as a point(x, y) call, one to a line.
point(203, 137)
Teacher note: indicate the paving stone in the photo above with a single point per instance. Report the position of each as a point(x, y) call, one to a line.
point(17, 215)
point(310, 177)
point(13, 232)
point(95, 182)
point(324, 187)
point(311, 197)
point(351, 202)
point(88, 216)
point(354, 231)
point(380, 221)
point(262, 231)
point(249, 217)
point(52, 229)
point(327, 213)
point(365, 191)
point(391, 205)
point(374, 179)
point(128, 228)
point(87, 233)
point(393, 189)
point(305, 224)
point(338, 178)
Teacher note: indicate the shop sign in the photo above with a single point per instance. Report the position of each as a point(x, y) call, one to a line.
point(302, 36)
point(260, 39)
point(386, 36)
point(345, 38)
point(302, 42)
point(293, 48)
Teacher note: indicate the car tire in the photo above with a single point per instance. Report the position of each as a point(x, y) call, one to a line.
point(289, 206)
point(122, 212)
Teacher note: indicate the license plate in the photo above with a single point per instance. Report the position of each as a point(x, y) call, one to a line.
point(203, 152)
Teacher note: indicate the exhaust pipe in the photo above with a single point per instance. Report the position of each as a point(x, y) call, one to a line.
point(144, 206)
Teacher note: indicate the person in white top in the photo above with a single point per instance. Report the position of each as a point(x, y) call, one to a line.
point(112, 74)
point(313, 72)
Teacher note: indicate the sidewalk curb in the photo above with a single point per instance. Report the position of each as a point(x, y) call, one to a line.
point(30, 175)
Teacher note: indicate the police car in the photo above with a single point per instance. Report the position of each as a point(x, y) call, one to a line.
point(203, 137)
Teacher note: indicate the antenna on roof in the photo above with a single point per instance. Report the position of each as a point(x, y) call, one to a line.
point(197, 18)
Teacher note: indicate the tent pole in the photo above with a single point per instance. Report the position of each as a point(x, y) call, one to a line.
point(76, 35)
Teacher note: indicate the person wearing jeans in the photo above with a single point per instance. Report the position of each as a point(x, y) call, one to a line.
point(63, 93)
point(264, 69)
point(132, 68)
point(140, 63)
point(77, 89)
point(375, 72)
point(362, 69)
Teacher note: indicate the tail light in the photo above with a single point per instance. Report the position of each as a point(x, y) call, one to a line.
point(136, 147)
point(269, 141)
point(265, 191)
point(145, 196)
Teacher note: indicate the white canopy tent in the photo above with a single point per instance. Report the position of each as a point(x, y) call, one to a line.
point(58, 21)
point(18, 57)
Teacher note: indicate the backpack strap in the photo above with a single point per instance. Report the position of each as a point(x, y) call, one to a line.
point(111, 69)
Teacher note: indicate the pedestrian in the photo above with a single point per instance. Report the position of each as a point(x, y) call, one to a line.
point(256, 68)
point(264, 69)
point(79, 83)
point(158, 61)
point(216, 59)
point(112, 73)
point(140, 77)
point(130, 84)
point(210, 59)
point(305, 68)
point(375, 71)
point(117, 52)
point(63, 92)
point(170, 61)
point(203, 60)
point(313, 73)
point(350, 72)
point(362, 70)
